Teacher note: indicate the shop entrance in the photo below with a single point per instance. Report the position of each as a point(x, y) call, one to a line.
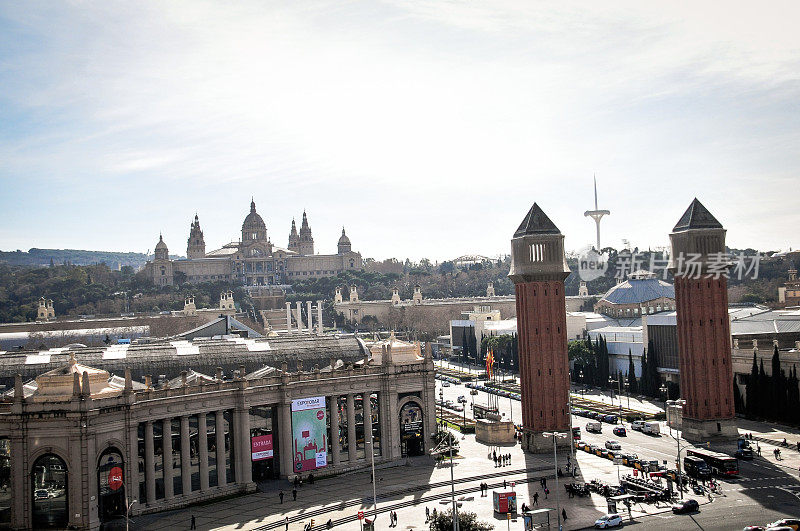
point(412, 441)
point(111, 486)
point(49, 492)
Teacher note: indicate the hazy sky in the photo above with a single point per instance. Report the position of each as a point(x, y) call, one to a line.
point(425, 128)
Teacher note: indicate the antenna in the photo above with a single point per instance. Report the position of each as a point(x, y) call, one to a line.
point(596, 214)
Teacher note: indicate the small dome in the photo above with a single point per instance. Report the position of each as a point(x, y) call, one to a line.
point(160, 245)
point(253, 220)
point(638, 291)
point(343, 239)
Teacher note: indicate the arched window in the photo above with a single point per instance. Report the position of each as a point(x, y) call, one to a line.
point(49, 492)
point(110, 485)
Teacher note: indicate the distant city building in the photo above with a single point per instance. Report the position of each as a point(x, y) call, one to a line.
point(45, 311)
point(642, 293)
point(254, 260)
point(789, 293)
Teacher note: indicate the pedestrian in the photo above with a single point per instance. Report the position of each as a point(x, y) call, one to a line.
point(564, 514)
point(194, 524)
point(280, 495)
point(296, 484)
point(395, 518)
point(494, 455)
point(286, 522)
point(758, 449)
point(294, 494)
point(536, 499)
point(546, 492)
point(428, 510)
point(504, 484)
point(434, 513)
point(495, 461)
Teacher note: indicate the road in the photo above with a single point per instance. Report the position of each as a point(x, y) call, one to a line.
point(763, 492)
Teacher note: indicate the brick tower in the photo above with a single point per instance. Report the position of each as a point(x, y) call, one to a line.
point(538, 270)
point(701, 297)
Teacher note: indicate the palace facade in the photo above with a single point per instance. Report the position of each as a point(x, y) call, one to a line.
point(254, 260)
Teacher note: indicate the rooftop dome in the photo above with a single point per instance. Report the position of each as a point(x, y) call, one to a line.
point(639, 290)
point(343, 238)
point(161, 245)
point(253, 219)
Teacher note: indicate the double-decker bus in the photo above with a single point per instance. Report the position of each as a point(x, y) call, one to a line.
point(719, 463)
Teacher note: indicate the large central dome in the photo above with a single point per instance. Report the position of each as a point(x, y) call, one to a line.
point(253, 227)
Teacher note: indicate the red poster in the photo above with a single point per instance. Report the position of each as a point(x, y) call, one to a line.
point(115, 478)
point(261, 447)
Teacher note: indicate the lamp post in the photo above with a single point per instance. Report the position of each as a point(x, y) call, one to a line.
point(441, 407)
point(676, 404)
point(555, 466)
point(583, 384)
point(128, 510)
point(611, 388)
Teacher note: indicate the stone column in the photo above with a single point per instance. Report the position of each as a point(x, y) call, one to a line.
point(310, 320)
point(334, 409)
point(351, 427)
point(166, 454)
point(383, 419)
point(220, 434)
point(319, 318)
point(186, 461)
point(149, 463)
point(285, 434)
point(288, 317)
point(299, 316)
point(202, 450)
point(367, 408)
point(241, 438)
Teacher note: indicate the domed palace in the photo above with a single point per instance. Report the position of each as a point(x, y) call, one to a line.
point(254, 260)
point(641, 294)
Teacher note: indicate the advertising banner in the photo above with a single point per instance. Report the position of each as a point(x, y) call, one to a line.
point(309, 433)
point(261, 447)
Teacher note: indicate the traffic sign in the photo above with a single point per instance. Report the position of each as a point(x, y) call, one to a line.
point(360, 515)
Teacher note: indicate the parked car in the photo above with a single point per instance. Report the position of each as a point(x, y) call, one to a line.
point(744, 453)
point(793, 523)
point(627, 459)
point(445, 384)
point(613, 445)
point(461, 400)
point(686, 506)
point(41, 494)
point(637, 425)
point(611, 419)
point(579, 445)
point(608, 520)
point(458, 407)
point(620, 431)
point(651, 428)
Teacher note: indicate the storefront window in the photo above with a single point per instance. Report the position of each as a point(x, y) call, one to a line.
point(263, 440)
point(345, 448)
point(376, 424)
point(229, 454)
point(360, 451)
point(158, 461)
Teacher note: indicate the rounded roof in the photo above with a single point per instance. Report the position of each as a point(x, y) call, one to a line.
point(638, 291)
point(253, 220)
point(161, 244)
point(343, 238)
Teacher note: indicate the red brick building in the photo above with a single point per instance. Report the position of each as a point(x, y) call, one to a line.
point(538, 270)
point(704, 349)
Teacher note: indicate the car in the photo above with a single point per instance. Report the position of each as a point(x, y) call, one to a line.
point(793, 523)
point(611, 454)
point(611, 419)
point(461, 400)
point(608, 520)
point(41, 494)
point(580, 445)
point(445, 384)
point(637, 425)
point(603, 453)
point(458, 407)
point(620, 431)
point(627, 459)
point(613, 445)
point(593, 414)
point(754, 528)
point(686, 506)
point(744, 453)
point(592, 448)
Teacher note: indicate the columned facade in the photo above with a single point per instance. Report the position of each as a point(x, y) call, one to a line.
point(538, 270)
point(704, 351)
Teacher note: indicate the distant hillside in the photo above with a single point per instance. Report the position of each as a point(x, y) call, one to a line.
point(44, 257)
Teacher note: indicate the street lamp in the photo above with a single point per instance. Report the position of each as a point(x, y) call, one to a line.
point(555, 464)
point(676, 404)
point(611, 388)
point(127, 511)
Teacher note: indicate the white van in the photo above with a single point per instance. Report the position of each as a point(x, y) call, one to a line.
point(637, 425)
point(594, 427)
point(651, 428)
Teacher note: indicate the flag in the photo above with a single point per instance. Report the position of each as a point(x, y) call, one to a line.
point(489, 364)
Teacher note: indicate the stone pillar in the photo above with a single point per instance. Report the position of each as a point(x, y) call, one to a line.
point(285, 433)
point(299, 316)
point(149, 463)
point(202, 450)
point(241, 438)
point(186, 461)
point(383, 419)
point(351, 428)
point(367, 409)
point(288, 317)
point(334, 412)
point(310, 320)
point(219, 423)
point(319, 318)
point(166, 454)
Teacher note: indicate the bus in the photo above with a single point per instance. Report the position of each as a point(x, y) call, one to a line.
point(719, 463)
point(485, 412)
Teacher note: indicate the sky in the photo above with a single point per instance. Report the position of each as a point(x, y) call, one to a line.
point(425, 128)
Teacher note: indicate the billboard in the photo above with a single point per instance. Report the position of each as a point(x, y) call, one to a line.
point(261, 447)
point(309, 433)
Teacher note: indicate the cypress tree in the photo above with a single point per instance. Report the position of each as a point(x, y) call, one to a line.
point(778, 401)
point(653, 379)
point(632, 387)
point(643, 388)
point(473, 347)
point(737, 397)
point(751, 390)
point(464, 345)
